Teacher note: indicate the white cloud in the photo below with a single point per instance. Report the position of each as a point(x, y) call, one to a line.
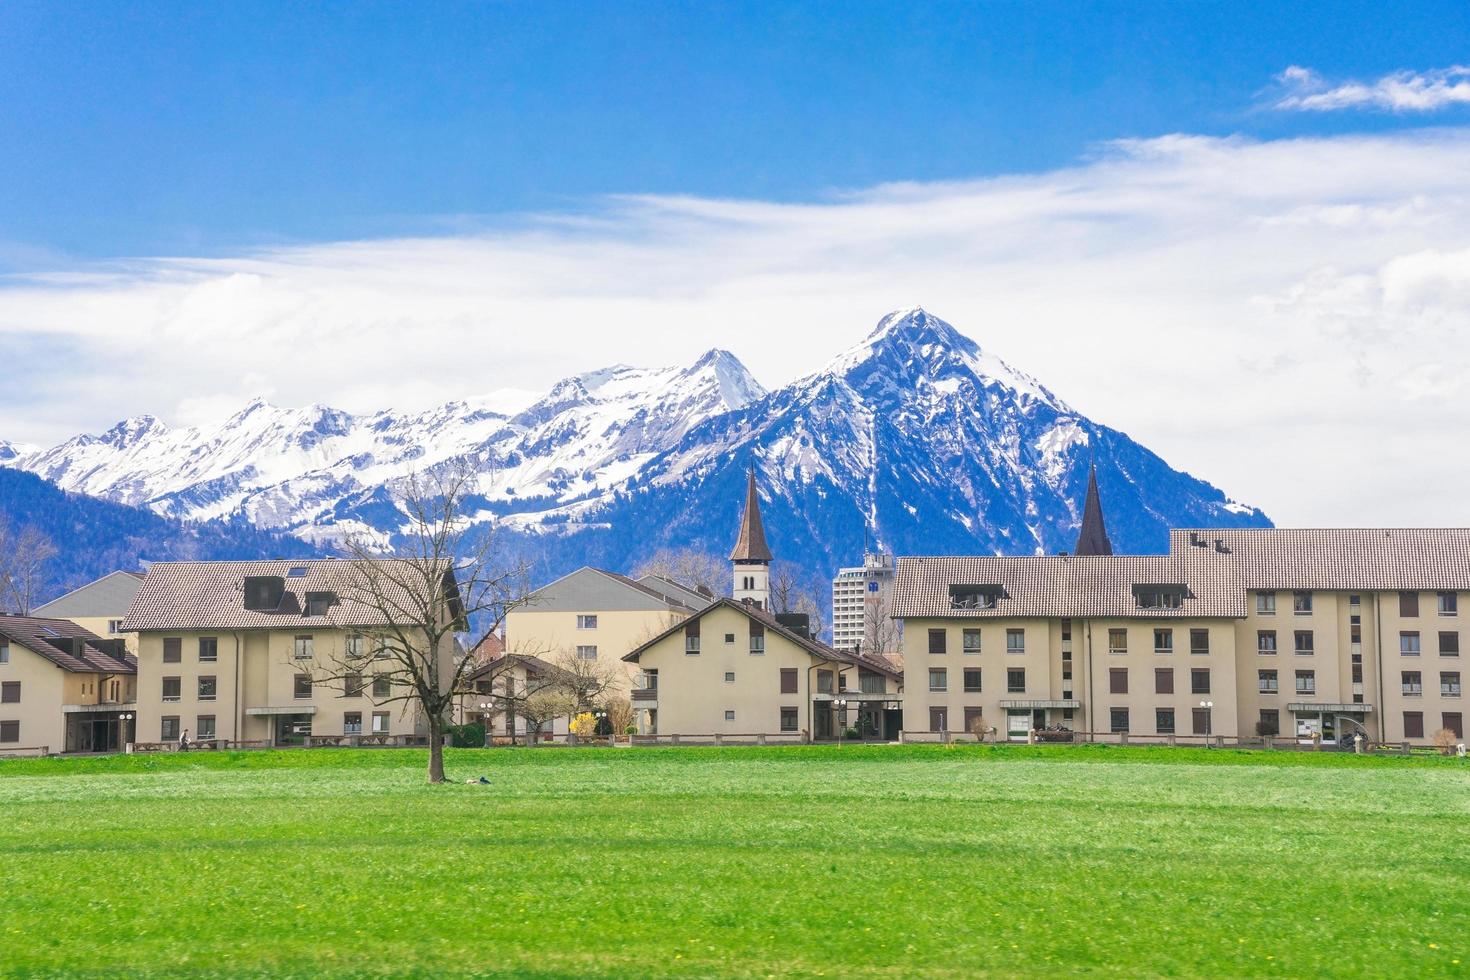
point(1402, 91)
point(1287, 319)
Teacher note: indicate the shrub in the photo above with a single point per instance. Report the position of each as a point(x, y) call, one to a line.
point(467, 736)
point(1445, 740)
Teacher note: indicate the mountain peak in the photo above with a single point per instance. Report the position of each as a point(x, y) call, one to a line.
point(129, 432)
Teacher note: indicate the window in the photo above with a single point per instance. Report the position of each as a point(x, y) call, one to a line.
point(1448, 603)
point(1201, 721)
point(114, 626)
point(1118, 680)
point(1449, 643)
point(173, 650)
point(1411, 682)
point(1304, 643)
point(788, 719)
point(972, 641)
point(297, 571)
point(207, 688)
point(1118, 720)
point(586, 621)
point(208, 649)
point(586, 652)
point(303, 648)
point(938, 679)
point(938, 719)
point(1408, 604)
point(1451, 720)
point(1015, 641)
point(1199, 680)
point(729, 714)
point(871, 683)
point(1269, 723)
point(10, 692)
point(1413, 724)
point(1199, 642)
point(1117, 641)
point(789, 680)
point(1164, 721)
point(481, 687)
point(1409, 643)
point(4, 652)
point(352, 723)
point(1153, 597)
point(1266, 682)
point(1163, 680)
point(382, 651)
point(1449, 683)
point(320, 603)
point(173, 689)
point(972, 680)
point(938, 641)
point(1016, 680)
point(729, 677)
point(380, 723)
point(352, 686)
point(382, 687)
point(1266, 642)
point(1163, 641)
point(204, 726)
point(729, 639)
point(1301, 603)
point(1265, 603)
point(168, 729)
point(691, 639)
point(824, 682)
point(355, 648)
point(972, 597)
point(757, 639)
point(301, 687)
point(1306, 682)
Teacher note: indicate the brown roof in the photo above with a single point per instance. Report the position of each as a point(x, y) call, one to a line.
point(209, 595)
point(1065, 586)
point(750, 544)
point(1389, 559)
point(67, 645)
point(535, 666)
point(815, 647)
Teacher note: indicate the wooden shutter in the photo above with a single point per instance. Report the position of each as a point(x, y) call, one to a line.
point(788, 680)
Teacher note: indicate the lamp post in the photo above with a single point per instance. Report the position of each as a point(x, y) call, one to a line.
point(841, 705)
point(601, 716)
point(1209, 716)
point(485, 707)
point(122, 729)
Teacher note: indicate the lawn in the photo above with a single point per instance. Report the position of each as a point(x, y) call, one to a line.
point(888, 860)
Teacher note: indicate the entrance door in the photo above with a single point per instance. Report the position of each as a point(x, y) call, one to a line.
point(1018, 724)
point(892, 723)
point(292, 729)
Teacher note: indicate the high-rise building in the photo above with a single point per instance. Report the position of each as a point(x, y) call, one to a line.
point(859, 599)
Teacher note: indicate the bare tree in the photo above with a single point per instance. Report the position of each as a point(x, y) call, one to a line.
point(880, 632)
point(536, 700)
point(23, 557)
point(620, 714)
point(694, 569)
point(442, 575)
point(585, 684)
point(789, 594)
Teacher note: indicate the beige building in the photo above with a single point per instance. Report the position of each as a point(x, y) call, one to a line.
point(592, 614)
point(63, 688)
point(98, 607)
point(500, 691)
point(238, 651)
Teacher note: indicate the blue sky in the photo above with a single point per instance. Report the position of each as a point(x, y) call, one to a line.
point(1238, 232)
point(163, 128)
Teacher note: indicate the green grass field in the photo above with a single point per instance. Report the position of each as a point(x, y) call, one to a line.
point(888, 860)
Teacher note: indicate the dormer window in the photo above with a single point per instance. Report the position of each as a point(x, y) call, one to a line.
point(317, 603)
point(263, 592)
point(1159, 596)
point(974, 596)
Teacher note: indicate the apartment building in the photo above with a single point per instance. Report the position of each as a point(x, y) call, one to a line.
point(500, 690)
point(238, 650)
point(594, 614)
point(860, 599)
point(736, 668)
point(99, 606)
point(63, 688)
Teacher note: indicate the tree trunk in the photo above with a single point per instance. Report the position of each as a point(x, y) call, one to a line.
point(436, 749)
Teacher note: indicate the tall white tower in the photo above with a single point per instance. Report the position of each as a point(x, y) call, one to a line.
point(752, 558)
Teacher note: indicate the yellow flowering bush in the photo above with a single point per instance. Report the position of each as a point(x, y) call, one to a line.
point(584, 725)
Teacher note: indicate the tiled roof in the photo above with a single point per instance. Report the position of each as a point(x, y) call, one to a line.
point(673, 601)
point(74, 649)
point(209, 595)
point(1066, 586)
point(1389, 559)
point(535, 666)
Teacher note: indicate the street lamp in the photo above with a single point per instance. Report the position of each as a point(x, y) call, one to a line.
point(1209, 722)
point(485, 707)
point(600, 715)
point(122, 728)
point(841, 705)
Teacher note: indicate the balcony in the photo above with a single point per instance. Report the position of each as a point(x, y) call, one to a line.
point(645, 697)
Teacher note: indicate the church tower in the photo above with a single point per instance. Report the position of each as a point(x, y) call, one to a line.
point(752, 558)
point(1093, 538)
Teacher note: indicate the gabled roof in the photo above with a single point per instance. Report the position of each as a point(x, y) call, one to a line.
point(67, 645)
point(1388, 559)
point(534, 666)
point(814, 647)
point(750, 543)
point(209, 595)
point(108, 596)
point(1067, 586)
point(591, 589)
point(1092, 539)
point(677, 591)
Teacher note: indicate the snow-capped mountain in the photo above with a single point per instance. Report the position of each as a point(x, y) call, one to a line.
point(916, 436)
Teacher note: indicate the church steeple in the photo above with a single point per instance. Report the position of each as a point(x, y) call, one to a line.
point(1093, 538)
point(751, 556)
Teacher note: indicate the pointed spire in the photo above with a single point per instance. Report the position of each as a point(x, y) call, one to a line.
point(750, 546)
point(1093, 538)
